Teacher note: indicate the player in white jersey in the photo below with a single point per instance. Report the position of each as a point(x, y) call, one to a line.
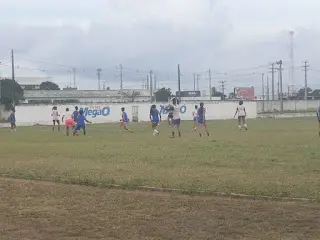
point(175, 117)
point(195, 117)
point(241, 111)
point(55, 118)
point(68, 117)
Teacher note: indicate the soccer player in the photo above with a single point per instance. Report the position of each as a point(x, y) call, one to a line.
point(155, 118)
point(194, 116)
point(170, 114)
point(124, 120)
point(12, 120)
point(69, 120)
point(81, 123)
point(55, 118)
point(75, 114)
point(201, 117)
point(318, 115)
point(175, 117)
point(241, 111)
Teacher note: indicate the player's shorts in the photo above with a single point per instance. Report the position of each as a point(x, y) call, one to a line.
point(70, 123)
point(80, 126)
point(13, 124)
point(56, 121)
point(176, 121)
point(201, 121)
point(123, 124)
point(170, 115)
point(194, 118)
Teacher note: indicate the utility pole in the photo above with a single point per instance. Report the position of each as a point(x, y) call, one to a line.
point(148, 82)
point(272, 80)
point(151, 86)
point(305, 69)
point(121, 81)
point(74, 77)
point(194, 82)
point(99, 77)
point(280, 85)
point(222, 88)
point(210, 86)
point(198, 76)
point(155, 83)
point(268, 95)
point(13, 78)
point(179, 83)
point(262, 81)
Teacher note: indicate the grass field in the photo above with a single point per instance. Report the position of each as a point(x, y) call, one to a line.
point(278, 158)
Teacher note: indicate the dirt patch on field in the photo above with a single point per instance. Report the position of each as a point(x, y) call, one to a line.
point(36, 210)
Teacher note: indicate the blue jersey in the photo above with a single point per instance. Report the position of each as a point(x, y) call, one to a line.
point(125, 117)
point(201, 114)
point(75, 115)
point(81, 120)
point(12, 118)
point(155, 115)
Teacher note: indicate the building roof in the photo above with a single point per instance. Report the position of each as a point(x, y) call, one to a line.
point(80, 93)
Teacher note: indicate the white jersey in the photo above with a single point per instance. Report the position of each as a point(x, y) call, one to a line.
point(176, 112)
point(194, 113)
point(241, 111)
point(55, 115)
point(67, 116)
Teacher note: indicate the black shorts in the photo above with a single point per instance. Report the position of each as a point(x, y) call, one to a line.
point(13, 124)
point(56, 121)
point(170, 115)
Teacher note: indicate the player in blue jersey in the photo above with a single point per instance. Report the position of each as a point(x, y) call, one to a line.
point(75, 114)
point(155, 118)
point(81, 123)
point(318, 115)
point(194, 117)
point(124, 120)
point(12, 120)
point(202, 119)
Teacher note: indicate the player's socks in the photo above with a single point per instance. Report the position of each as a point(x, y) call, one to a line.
point(245, 126)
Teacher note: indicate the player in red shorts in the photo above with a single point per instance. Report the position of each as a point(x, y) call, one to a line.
point(68, 116)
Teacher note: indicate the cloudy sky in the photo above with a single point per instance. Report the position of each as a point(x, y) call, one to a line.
point(227, 36)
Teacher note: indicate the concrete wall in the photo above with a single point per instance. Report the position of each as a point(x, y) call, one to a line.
point(31, 115)
point(292, 106)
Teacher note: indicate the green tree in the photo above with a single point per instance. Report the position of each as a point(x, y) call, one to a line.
point(49, 86)
point(163, 94)
point(232, 95)
point(11, 93)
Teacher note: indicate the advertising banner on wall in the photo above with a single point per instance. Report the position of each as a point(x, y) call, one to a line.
point(244, 93)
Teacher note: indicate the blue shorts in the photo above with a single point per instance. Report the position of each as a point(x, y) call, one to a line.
point(201, 121)
point(80, 126)
point(176, 121)
point(194, 118)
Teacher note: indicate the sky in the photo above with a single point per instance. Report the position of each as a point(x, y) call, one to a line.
point(236, 40)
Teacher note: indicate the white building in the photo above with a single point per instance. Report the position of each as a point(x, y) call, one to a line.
point(86, 96)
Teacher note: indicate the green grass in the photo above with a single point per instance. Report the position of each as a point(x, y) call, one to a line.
point(278, 158)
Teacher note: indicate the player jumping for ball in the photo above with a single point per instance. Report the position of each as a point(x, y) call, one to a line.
point(241, 111)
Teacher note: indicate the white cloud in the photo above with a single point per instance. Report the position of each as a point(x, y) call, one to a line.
point(157, 34)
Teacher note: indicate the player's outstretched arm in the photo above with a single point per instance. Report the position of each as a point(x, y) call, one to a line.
point(235, 114)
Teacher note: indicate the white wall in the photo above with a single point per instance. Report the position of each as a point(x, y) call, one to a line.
point(30, 115)
point(292, 105)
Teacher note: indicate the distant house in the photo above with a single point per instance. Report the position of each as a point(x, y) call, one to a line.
point(314, 95)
